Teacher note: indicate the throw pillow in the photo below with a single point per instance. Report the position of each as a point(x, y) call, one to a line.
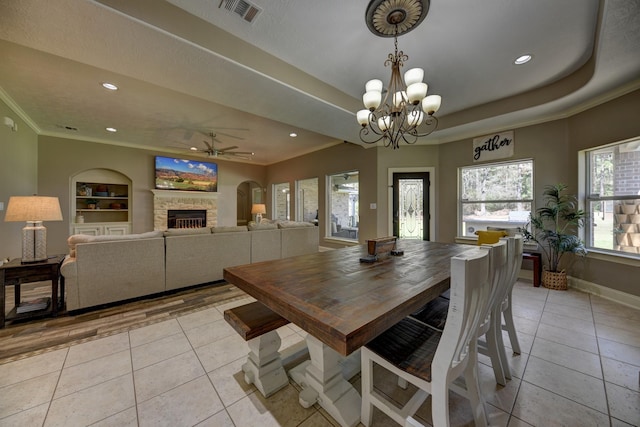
point(489, 237)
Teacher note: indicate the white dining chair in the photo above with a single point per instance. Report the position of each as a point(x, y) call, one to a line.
point(492, 344)
point(429, 359)
point(435, 312)
point(507, 323)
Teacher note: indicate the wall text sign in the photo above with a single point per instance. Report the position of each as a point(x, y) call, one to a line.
point(492, 147)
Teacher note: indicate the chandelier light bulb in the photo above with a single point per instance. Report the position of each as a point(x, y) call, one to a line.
point(431, 104)
point(415, 118)
point(374, 85)
point(414, 75)
point(385, 122)
point(363, 117)
point(399, 98)
point(372, 99)
point(416, 92)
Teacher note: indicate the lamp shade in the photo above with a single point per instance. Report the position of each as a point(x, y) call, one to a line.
point(33, 208)
point(258, 208)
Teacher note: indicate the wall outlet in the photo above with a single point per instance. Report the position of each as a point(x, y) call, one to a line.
point(373, 206)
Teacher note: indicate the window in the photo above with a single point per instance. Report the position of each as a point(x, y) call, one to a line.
point(343, 207)
point(495, 195)
point(307, 201)
point(281, 201)
point(613, 198)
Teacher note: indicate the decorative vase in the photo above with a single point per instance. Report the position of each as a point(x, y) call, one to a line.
point(554, 280)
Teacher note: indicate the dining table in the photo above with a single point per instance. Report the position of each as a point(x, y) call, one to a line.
point(343, 303)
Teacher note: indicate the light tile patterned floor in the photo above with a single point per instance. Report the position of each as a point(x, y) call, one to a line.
point(580, 366)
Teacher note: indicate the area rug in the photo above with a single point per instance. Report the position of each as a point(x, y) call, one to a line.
point(19, 340)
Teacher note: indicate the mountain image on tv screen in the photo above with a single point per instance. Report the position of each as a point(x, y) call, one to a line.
point(186, 175)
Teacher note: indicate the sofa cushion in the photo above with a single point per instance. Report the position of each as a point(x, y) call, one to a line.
point(294, 224)
point(186, 231)
point(229, 229)
point(73, 240)
point(262, 226)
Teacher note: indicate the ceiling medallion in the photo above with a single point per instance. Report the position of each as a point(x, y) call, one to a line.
point(406, 112)
point(390, 18)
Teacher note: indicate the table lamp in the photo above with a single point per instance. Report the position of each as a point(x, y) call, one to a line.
point(258, 209)
point(33, 210)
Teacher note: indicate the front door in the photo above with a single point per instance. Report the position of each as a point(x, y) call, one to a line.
point(411, 205)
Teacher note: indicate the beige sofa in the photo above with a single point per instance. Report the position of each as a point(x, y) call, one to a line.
point(106, 269)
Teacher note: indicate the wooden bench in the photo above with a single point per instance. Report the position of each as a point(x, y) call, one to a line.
point(257, 324)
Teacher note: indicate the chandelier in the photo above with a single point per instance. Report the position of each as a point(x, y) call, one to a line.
point(405, 113)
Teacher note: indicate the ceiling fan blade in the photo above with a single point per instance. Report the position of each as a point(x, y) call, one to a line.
point(231, 136)
point(222, 150)
point(209, 144)
point(240, 152)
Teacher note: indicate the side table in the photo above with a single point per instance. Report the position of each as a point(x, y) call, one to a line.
point(537, 266)
point(15, 273)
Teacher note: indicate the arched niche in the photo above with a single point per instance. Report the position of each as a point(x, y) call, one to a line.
point(249, 192)
point(101, 202)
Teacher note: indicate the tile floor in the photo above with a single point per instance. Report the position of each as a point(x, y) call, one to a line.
point(579, 367)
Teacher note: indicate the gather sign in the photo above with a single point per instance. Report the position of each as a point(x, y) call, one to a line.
point(491, 147)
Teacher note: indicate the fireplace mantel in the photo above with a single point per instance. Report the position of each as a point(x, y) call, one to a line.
point(179, 194)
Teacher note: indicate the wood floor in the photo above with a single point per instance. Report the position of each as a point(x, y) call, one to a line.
point(26, 338)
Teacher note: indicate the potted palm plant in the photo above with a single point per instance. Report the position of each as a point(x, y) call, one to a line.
point(554, 228)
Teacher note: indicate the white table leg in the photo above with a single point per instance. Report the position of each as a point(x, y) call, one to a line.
point(322, 381)
point(264, 364)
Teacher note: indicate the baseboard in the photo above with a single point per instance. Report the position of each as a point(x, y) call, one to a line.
point(619, 297)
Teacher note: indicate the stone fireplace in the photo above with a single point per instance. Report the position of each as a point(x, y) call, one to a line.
point(166, 200)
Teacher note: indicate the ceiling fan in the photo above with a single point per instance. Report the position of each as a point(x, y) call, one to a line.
point(210, 149)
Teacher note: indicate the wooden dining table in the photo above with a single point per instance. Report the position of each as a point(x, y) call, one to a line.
point(343, 303)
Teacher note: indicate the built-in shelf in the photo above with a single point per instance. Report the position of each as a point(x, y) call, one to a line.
point(101, 202)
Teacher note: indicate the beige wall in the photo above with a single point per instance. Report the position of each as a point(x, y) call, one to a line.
point(18, 177)
point(60, 159)
point(342, 157)
point(617, 120)
point(546, 144)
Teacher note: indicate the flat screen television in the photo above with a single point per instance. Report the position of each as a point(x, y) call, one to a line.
point(186, 175)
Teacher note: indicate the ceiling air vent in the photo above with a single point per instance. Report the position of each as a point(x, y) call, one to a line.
point(244, 9)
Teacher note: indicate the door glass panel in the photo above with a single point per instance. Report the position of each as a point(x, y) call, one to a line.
point(343, 205)
point(411, 222)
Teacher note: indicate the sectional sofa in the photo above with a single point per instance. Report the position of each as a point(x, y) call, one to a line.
point(107, 269)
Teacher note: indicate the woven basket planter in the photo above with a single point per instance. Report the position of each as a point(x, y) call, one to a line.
point(553, 280)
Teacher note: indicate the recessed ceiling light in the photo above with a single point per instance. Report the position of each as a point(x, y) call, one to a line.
point(522, 59)
point(293, 134)
point(112, 129)
point(109, 86)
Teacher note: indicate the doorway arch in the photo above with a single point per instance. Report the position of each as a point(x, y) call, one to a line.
point(248, 193)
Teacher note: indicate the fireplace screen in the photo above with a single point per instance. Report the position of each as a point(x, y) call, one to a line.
point(186, 218)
